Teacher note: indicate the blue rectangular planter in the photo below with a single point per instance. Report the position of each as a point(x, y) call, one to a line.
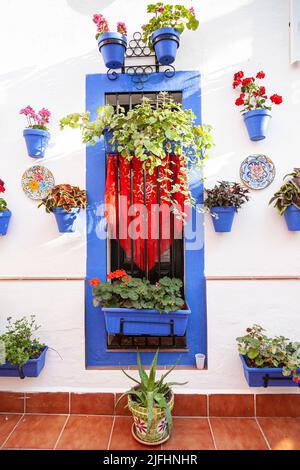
point(130, 321)
point(32, 368)
point(266, 377)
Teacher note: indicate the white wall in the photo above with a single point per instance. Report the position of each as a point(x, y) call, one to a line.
point(47, 49)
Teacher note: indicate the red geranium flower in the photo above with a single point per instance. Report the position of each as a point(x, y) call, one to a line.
point(2, 188)
point(240, 100)
point(262, 90)
point(94, 282)
point(247, 81)
point(260, 74)
point(117, 274)
point(276, 99)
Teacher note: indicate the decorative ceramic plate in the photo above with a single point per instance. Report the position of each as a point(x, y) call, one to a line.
point(257, 171)
point(37, 182)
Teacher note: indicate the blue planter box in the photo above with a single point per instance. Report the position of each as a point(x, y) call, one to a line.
point(266, 377)
point(32, 368)
point(130, 321)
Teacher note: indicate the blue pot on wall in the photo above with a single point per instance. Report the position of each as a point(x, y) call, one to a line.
point(292, 218)
point(222, 218)
point(266, 377)
point(36, 142)
point(32, 368)
point(66, 220)
point(4, 221)
point(131, 321)
point(112, 46)
point(165, 42)
point(257, 123)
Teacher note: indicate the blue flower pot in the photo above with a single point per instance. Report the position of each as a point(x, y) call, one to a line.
point(165, 42)
point(257, 123)
point(66, 220)
point(131, 321)
point(112, 46)
point(32, 368)
point(36, 142)
point(292, 218)
point(4, 221)
point(223, 219)
point(266, 377)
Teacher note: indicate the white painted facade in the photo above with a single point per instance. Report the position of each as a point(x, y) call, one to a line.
point(47, 49)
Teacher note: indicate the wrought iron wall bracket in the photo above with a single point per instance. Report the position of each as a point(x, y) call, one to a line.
point(140, 73)
point(267, 378)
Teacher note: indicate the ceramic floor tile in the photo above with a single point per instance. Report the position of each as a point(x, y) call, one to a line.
point(282, 433)
point(86, 433)
point(7, 423)
point(231, 405)
point(122, 438)
point(92, 403)
point(190, 434)
point(237, 434)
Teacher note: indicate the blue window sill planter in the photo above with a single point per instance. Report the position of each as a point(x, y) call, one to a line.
point(130, 321)
point(266, 377)
point(32, 368)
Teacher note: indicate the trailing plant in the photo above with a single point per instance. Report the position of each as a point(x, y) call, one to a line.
point(226, 194)
point(65, 196)
point(150, 131)
point(131, 292)
point(3, 203)
point(39, 120)
point(102, 25)
point(262, 351)
point(173, 16)
point(20, 342)
point(289, 193)
point(253, 94)
point(151, 393)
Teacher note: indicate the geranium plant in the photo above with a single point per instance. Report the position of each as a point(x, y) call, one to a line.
point(125, 291)
point(263, 351)
point(252, 93)
point(39, 120)
point(65, 196)
point(3, 203)
point(175, 16)
point(226, 194)
point(102, 25)
point(289, 193)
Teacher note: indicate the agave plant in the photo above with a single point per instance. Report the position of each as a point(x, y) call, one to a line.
point(65, 196)
point(151, 393)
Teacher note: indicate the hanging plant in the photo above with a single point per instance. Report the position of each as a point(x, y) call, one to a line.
point(36, 134)
point(255, 102)
point(162, 32)
point(112, 45)
point(151, 131)
point(5, 213)
point(287, 200)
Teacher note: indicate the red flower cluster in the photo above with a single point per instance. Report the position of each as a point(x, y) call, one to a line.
point(237, 79)
point(94, 282)
point(117, 274)
point(240, 100)
point(276, 99)
point(260, 75)
point(2, 188)
point(296, 379)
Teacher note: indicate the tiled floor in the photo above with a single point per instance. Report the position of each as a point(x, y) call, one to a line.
point(48, 431)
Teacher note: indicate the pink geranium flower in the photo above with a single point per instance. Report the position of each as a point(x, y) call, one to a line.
point(36, 120)
point(121, 28)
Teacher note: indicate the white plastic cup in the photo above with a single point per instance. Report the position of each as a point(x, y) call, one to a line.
point(200, 360)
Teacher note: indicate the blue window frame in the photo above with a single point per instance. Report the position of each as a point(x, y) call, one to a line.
point(188, 83)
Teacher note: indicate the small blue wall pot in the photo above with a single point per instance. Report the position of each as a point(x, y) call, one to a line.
point(32, 368)
point(266, 377)
point(112, 46)
point(165, 42)
point(223, 219)
point(66, 220)
point(292, 218)
point(4, 221)
point(36, 142)
point(257, 123)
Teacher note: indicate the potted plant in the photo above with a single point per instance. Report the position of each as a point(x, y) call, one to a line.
point(133, 306)
point(5, 213)
point(162, 32)
point(223, 201)
point(140, 133)
point(112, 45)
point(24, 355)
point(287, 200)
point(65, 201)
point(269, 361)
point(256, 104)
point(151, 402)
point(36, 134)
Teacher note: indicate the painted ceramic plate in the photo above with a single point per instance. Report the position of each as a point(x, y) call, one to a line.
point(37, 182)
point(257, 171)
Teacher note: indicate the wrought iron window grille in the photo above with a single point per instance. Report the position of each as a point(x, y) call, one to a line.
point(140, 73)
